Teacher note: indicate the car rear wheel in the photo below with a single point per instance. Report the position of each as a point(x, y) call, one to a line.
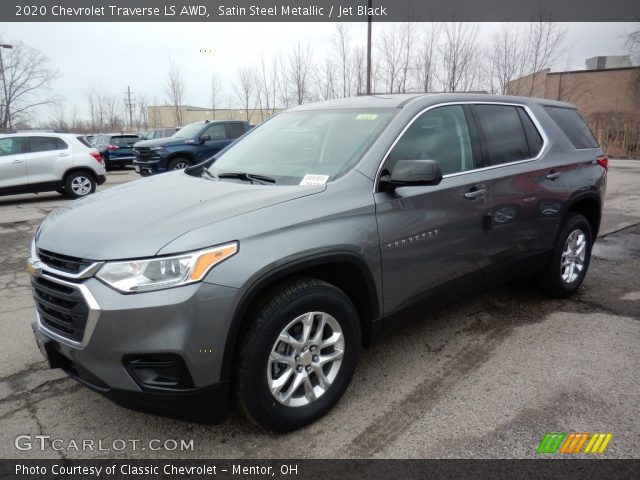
point(179, 164)
point(568, 267)
point(298, 355)
point(79, 184)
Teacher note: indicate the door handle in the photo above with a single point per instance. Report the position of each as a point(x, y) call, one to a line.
point(552, 175)
point(474, 193)
point(63, 154)
point(17, 160)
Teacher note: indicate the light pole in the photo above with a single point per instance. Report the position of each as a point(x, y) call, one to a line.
point(7, 117)
point(369, 20)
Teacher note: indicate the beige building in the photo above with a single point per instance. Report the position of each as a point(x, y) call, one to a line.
point(593, 91)
point(166, 116)
point(609, 99)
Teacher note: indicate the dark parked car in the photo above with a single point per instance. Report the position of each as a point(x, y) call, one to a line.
point(191, 145)
point(116, 149)
point(259, 276)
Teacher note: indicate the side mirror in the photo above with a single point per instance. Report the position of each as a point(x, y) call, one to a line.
point(205, 138)
point(407, 173)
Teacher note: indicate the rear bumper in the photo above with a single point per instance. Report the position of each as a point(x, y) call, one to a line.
point(118, 160)
point(100, 179)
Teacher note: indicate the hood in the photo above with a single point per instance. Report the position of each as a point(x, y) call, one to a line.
point(137, 219)
point(163, 142)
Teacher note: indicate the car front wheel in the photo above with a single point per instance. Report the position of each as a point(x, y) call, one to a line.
point(179, 164)
point(568, 267)
point(298, 355)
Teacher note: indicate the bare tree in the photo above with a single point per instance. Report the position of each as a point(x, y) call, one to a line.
point(245, 90)
point(360, 69)
point(284, 81)
point(426, 57)
point(545, 44)
point(175, 91)
point(142, 116)
point(391, 53)
point(58, 117)
point(326, 80)
point(113, 113)
point(216, 93)
point(506, 57)
point(632, 44)
point(26, 81)
point(460, 52)
point(299, 66)
point(341, 40)
point(407, 56)
point(265, 78)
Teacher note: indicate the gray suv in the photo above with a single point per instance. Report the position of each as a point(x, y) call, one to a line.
point(258, 275)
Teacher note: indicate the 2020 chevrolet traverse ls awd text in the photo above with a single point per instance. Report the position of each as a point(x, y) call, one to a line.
point(259, 277)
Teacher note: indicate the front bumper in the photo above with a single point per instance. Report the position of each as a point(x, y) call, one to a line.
point(190, 323)
point(149, 167)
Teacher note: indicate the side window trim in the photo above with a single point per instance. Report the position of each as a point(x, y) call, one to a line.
point(543, 134)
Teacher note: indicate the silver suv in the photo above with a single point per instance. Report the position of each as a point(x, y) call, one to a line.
point(258, 275)
point(33, 162)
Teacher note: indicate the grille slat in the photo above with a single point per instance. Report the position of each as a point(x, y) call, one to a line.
point(62, 308)
point(63, 262)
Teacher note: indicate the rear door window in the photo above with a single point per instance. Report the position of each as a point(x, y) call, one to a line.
point(573, 126)
point(235, 130)
point(11, 146)
point(503, 133)
point(46, 144)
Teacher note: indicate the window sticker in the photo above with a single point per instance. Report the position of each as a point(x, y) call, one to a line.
point(367, 116)
point(310, 179)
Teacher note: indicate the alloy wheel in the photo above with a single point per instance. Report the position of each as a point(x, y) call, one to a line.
point(573, 256)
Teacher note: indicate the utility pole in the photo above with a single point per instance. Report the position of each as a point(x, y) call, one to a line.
point(369, 20)
point(129, 104)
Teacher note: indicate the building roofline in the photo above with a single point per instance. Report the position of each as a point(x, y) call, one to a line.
point(594, 70)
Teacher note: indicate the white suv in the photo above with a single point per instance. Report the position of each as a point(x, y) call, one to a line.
point(33, 162)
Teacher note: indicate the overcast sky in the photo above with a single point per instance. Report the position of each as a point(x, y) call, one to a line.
point(114, 55)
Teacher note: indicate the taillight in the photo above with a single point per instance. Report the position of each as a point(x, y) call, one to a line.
point(96, 155)
point(112, 147)
point(603, 161)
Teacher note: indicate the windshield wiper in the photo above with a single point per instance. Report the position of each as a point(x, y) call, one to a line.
point(250, 177)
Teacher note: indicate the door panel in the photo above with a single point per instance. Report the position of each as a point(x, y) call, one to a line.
point(13, 165)
point(431, 235)
point(47, 158)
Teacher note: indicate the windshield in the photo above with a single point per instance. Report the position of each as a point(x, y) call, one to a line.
point(305, 147)
point(189, 131)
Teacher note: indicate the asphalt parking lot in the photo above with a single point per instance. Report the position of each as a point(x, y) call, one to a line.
point(486, 378)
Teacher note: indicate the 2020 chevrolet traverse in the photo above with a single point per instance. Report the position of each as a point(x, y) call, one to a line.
point(257, 278)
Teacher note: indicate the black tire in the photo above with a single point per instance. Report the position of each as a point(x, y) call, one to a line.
point(280, 307)
point(179, 163)
point(551, 281)
point(79, 184)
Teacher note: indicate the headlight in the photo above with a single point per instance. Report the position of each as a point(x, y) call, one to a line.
point(157, 273)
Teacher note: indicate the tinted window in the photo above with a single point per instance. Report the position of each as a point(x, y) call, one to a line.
point(235, 130)
point(46, 144)
point(440, 134)
point(503, 133)
point(573, 126)
point(11, 146)
point(124, 141)
point(216, 132)
point(534, 139)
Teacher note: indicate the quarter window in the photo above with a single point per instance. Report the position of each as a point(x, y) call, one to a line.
point(440, 134)
point(503, 133)
point(573, 126)
point(11, 146)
